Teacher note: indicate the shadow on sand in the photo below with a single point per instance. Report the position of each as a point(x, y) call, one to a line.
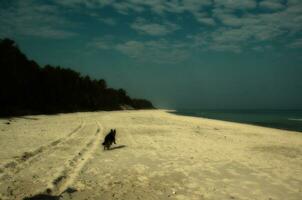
point(69, 191)
point(42, 197)
point(117, 147)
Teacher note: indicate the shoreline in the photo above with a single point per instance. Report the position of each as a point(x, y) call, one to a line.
point(279, 126)
point(169, 111)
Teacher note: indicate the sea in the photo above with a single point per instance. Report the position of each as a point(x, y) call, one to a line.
point(280, 119)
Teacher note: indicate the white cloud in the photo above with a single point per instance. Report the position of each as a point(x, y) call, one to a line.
point(296, 44)
point(156, 51)
point(86, 3)
point(160, 7)
point(271, 4)
point(249, 29)
point(224, 39)
point(155, 29)
point(124, 7)
point(236, 4)
point(103, 43)
point(108, 21)
point(227, 18)
point(225, 47)
point(133, 49)
point(262, 48)
point(293, 2)
point(206, 20)
point(233, 25)
point(31, 19)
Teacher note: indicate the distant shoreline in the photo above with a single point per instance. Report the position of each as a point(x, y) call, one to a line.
point(280, 126)
point(268, 120)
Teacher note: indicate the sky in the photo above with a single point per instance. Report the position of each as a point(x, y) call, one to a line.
point(213, 54)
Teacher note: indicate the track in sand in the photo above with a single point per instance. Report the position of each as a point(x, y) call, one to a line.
point(51, 169)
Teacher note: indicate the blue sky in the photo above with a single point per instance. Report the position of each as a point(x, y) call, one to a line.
point(177, 53)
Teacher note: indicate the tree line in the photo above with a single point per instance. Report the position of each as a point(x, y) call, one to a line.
point(27, 88)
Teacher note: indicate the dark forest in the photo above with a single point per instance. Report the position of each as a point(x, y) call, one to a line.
point(27, 88)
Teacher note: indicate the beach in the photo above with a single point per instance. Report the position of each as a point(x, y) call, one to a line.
point(158, 155)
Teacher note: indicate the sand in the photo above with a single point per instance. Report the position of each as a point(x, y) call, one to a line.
point(158, 155)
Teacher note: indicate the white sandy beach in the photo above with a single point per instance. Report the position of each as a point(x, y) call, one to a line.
point(158, 155)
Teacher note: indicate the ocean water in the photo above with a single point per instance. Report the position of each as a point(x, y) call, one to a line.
point(281, 119)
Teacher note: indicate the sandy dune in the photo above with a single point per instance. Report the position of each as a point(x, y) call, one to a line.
point(158, 155)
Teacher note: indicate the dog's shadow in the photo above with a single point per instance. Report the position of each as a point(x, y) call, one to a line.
point(117, 147)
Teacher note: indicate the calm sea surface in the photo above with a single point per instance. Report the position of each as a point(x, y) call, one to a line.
point(281, 119)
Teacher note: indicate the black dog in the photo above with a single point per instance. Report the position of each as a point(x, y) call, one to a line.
point(109, 139)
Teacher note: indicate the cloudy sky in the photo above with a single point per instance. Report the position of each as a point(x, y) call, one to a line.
point(177, 53)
